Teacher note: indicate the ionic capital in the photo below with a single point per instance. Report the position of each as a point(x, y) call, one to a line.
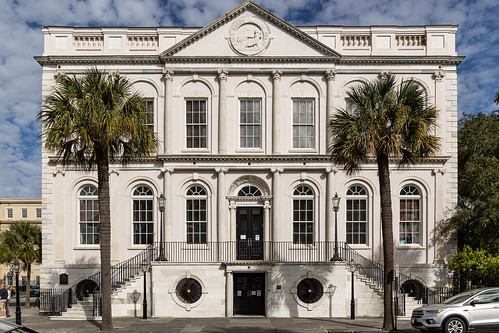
point(276, 75)
point(222, 170)
point(278, 170)
point(167, 74)
point(438, 76)
point(223, 74)
point(331, 74)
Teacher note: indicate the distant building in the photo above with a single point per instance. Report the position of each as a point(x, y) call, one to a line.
point(241, 108)
point(20, 210)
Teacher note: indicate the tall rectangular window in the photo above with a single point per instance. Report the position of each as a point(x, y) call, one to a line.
point(150, 114)
point(303, 123)
point(196, 215)
point(24, 213)
point(38, 213)
point(356, 212)
point(196, 123)
point(410, 215)
point(143, 217)
point(303, 215)
point(89, 215)
point(250, 125)
point(10, 213)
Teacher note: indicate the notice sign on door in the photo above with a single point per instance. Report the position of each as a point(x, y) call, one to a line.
point(239, 293)
point(258, 293)
point(243, 236)
point(257, 237)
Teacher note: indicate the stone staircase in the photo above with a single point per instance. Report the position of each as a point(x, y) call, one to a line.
point(410, 304)
point(83, 310)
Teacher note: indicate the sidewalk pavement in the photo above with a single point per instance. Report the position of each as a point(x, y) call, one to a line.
point(41, 323)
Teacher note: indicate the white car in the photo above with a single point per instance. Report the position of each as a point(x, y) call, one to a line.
point(476, 309)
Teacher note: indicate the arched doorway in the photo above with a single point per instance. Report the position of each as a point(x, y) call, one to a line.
point(85, 288)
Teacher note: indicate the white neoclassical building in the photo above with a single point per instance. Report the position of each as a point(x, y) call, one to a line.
point(241, 108)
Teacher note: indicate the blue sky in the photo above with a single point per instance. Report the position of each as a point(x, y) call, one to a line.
point(21, 39)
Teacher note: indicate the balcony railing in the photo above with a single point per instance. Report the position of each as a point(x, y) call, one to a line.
point(250, 250)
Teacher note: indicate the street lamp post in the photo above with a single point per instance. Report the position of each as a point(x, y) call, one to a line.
point(352, 266)
point(336, 206)
point(161, 206)
point(17, 265)
point(145, 267)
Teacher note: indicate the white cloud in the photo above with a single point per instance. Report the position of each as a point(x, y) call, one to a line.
point(21, 39)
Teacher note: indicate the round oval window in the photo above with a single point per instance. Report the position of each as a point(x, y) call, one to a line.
point(309, 290)
point(189, 290)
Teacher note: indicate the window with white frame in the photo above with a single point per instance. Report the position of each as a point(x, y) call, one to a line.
point(250, 123)
point(142, 215)
point(410, 215)
point(356, 215)
point(10, 213)
point(303, 215)
point(303, 123)
point(89, 217)
point(196, 123)
point(24, 213)
point(196, 215)
point(150, 113)
point(38, 213)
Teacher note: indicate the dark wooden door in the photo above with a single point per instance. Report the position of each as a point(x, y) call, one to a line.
point(249, 294)
point(249, 233)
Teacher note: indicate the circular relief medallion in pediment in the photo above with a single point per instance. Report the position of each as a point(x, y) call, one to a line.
point(249, 36)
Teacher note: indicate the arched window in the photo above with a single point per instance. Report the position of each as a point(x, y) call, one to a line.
point(410, 215)
point(142, 215)
point(196, 215)
point(303, 215)
point(356, 215)
point(249, 191)
point(89, 218)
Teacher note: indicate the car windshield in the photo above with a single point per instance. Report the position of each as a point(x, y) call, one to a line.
point(459, 298)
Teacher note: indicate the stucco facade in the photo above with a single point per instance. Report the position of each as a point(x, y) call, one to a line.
point(241, 108)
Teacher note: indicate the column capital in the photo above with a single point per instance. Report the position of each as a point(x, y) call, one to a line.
point(437, 171)
point(278, 170)
point(331, 74)
point(276, 75)
point(331, 169)
point(438, 76)
point(59, 74)
point(266, 205)
point(223, 74)
point(169, 170)
point(167, 74)
point(221, 170)
point(232, 205)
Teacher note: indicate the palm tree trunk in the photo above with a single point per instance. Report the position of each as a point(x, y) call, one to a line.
point(387, 231)
point(27, 303)
point(105, 238)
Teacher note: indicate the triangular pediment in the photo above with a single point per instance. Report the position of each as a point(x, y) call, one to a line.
point(250, 31)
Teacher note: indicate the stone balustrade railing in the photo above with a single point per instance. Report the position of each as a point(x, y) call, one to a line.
point(352, 41)
point(88, 42)
point(142, 41)
point(410, 40)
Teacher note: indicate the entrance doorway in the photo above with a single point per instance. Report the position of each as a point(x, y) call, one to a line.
point(249, 294)
point(249, 229)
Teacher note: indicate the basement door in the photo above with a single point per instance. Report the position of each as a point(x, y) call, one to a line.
point(249, 229)
point(249, 294)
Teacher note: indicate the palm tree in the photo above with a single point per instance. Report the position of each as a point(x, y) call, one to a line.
point(384, 121)
point(90, 121)
point(22, 240)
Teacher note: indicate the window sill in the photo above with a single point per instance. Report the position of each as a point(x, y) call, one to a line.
point(410, 247)
point(303, 150)
point(195, 151)
point(250, 150)
point(87, 247)
point(138, 247)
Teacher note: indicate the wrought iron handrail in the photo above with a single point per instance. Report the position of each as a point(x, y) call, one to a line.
point(58, 300)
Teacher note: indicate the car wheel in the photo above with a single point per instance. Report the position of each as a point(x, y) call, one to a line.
point(455, 325)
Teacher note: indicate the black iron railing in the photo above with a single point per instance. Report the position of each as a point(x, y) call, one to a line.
point(56, 301)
